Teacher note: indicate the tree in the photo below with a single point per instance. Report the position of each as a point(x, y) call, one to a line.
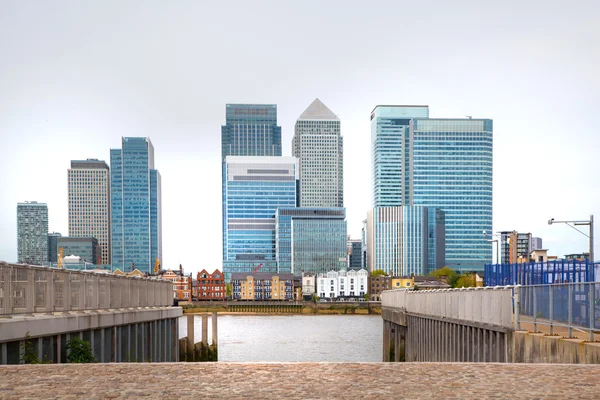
point(466, 280)
point(80, 351)
point(228, 289)
point(379, 272)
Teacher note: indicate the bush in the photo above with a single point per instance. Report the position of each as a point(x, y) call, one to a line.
point(80, 351)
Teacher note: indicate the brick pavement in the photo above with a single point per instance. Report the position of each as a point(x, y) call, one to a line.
point(301, 381)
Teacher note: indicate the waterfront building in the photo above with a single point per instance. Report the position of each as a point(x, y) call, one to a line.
point(182, 284)
point(405, 240)
point(403, 282)
point(391, 153)
point(89, 203)
point(211, 286)
point(52, 247)
point(254, 188)
point(354, 254)
point(86, 248)
point(262, 286)
point(308, 285)
point(136, 216)
point(376, 286)
point(32, 233)
point(343, 284)
point(318, 145)
point(310, 239)
point(250, 130)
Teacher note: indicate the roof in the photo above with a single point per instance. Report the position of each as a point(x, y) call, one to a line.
point(318, 110)
point(261, 275)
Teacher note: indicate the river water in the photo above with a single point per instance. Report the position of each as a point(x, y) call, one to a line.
point(281, 338)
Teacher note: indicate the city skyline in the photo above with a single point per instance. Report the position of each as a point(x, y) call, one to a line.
point(94, 89)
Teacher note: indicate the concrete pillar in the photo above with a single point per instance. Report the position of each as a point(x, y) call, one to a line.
point(205, 329)
point(214, 329)
point(190, 337)
point(175, 342)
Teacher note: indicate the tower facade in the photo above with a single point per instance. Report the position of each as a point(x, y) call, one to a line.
point(318, 145)
point(89, 203)
point(32, 233)
point(136, 216)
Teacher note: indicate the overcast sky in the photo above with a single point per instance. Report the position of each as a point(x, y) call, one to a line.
point(76, 76)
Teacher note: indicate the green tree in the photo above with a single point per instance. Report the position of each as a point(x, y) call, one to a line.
point(228, 289)
point(80, 351)
point(379, 272)
point(366, 296)
point(466, 280)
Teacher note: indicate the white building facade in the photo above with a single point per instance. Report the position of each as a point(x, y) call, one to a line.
point(89, 203)
point(308, 284)
point(318, 145)
point(342, 284)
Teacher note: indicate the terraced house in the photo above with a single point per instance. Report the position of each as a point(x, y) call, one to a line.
point(262, 286)
point(210, 286)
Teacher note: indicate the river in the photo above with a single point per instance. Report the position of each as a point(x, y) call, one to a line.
point(281, 338)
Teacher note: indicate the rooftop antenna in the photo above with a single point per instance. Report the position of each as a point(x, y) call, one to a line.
point(469, 116)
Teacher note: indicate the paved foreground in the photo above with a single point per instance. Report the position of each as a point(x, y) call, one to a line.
point(301, 381)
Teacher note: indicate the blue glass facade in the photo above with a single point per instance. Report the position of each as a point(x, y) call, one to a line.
point(250, 130)
point(135, 206)
point(452, 170)
point(311, 239)
point(85, 247)
point(405, 240)
point(391, 153)
point(253, 190)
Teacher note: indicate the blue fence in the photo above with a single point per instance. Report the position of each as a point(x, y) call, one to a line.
point(557, 271)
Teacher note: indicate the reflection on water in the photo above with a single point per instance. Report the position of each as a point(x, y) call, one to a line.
point(252, 338)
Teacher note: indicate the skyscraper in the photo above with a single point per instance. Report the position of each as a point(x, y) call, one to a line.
point(89, 203)
point(318, 145)
point(253, 189)
point(32, 233)
point(391, 153)
point(136, 217)
point(452, 170)
point(250, 130)
point(53, 246)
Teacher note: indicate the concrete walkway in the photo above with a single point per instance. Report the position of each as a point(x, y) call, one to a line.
point(301, 381)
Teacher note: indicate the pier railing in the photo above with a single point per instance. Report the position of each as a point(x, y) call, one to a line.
point(28, 289)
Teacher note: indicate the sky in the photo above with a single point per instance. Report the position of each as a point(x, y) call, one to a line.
point(77, 76)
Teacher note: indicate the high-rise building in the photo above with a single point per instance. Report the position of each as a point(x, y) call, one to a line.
point(536, 244)
point(354, 254)
point(89, 203)
point(310, 239)
point(32, 233)
point(52, 246)
point(87, 248)
point(404, 240)
point(253, 189)
point(452, 170)
point(136, 216)
point(363, 239)
point(250, 130)
point(318, 145)
point(391, 153)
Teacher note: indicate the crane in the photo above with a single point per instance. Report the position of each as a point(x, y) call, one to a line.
point(257, 268)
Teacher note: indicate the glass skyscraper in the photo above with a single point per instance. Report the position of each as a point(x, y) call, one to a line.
point(391, 153)
point(136, 218)
point(404, 240)
point(32, 233)
point(319, 147)
point(311, 239)
point(253, 189)
point(452, 170)
point(250, 130)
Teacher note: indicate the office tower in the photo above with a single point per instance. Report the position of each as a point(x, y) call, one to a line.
point(311, 239)
point(391, 153)
point(89, 203)
point(253, 189)
point(250, 130)
point(363, 239)
point(136, 217)
point(536, 244)
point(452, 170)
point(87, 248)
point(52, 247)
point(32, 233)
point(318, 145)
point(404, 240)
point(354, 254)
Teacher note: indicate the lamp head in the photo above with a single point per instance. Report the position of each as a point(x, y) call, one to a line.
point(550, 221)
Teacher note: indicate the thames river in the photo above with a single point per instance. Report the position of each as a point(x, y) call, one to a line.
point(273, 338)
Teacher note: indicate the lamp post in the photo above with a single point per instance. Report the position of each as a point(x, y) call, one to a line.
point(572, 224)
point(497, 241)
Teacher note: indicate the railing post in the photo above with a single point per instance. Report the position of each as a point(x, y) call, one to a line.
point(517, 306)
point(551, 307)
point(534, 309)
point(591, 293)
point(570, 309)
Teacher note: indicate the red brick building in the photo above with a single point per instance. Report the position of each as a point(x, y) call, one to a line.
point(211, 286)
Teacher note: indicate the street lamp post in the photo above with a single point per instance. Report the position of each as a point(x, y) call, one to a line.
point(497, 240)
point(572, 224)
